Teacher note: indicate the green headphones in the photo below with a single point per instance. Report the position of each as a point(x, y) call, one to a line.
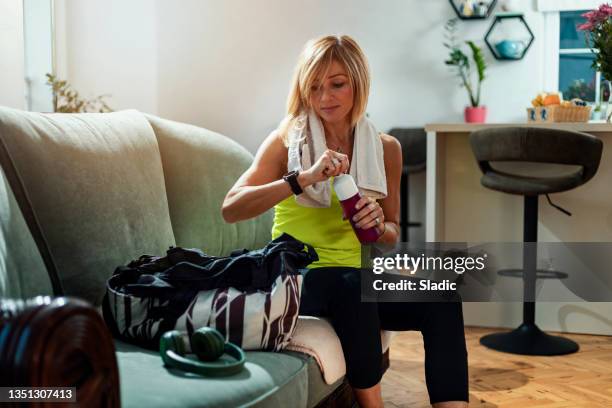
point(208, 345)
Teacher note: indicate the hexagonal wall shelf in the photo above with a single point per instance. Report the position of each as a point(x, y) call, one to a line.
point(509, 37)
point(473, 9)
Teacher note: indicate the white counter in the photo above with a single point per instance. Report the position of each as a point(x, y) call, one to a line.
point(590, 127)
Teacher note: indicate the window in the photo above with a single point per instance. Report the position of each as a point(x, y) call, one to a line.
point(576, 77)
point(38, 53)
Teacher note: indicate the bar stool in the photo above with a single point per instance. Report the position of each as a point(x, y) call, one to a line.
point(414, 156)
point(533, 145)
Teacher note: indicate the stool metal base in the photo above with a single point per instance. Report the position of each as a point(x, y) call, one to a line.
point(529, 340)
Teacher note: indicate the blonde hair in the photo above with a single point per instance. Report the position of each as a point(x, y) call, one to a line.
point(315, 60)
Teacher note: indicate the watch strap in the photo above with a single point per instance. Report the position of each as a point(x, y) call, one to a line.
point(291, 178)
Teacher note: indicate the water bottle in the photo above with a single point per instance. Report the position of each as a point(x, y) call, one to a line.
point(348, 194)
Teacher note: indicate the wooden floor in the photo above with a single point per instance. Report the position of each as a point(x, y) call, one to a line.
point(583, 379)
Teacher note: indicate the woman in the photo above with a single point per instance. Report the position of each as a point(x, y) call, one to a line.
point(327, 100)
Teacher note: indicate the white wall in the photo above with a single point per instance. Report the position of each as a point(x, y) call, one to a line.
point(12, 85)
point(227, 65)
point(109, 47)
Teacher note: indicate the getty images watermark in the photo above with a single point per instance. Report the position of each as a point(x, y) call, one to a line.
point(412, 264)
point(487, 272)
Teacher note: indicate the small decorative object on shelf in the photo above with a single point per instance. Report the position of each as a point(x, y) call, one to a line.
point(598, 32)
point(461, 64)
point(509, 36)
point(550, 107)
point(473, 9)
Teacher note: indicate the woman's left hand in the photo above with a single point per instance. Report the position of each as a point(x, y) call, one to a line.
point(370, 214)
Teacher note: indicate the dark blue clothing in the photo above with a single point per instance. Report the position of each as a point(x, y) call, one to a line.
point(174, 280)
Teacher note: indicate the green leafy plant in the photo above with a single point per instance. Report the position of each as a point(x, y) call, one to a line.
point(68, 100)
point(461, 63)
point(598, 32)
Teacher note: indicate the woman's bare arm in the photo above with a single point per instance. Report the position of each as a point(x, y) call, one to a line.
point(391, 204)
point(261, 187)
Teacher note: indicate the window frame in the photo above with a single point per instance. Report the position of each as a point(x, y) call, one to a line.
point(39, 53)
point(566, 5)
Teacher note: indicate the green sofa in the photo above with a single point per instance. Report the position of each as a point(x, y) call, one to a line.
point(83, 193)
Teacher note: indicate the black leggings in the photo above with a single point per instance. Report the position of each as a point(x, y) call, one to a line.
point(336, 293)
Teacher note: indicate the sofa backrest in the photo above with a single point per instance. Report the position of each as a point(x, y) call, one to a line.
point(96, 186)
point(22, 271)
point(200, 167)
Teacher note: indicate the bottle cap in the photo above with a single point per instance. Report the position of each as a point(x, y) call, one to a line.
point(345, 186)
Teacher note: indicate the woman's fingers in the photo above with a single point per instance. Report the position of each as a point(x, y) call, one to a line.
point(340, 161)
point(364, 215)
point(333, 170)
point(345, 164)
point(333, 164)
point(363, 201)
point(372, 222)
point(369, 215)
point(329, 163)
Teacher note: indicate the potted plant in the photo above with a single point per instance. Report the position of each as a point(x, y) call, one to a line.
point(598, 32)
point(67, 100)
point(475, 113)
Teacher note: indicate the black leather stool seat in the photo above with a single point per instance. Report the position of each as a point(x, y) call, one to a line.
point(513, 184)
point(539, 145)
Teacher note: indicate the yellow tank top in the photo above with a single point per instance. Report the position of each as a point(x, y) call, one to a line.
point(323, 228)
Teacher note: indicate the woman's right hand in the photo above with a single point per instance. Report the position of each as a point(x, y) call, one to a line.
point(330, 164)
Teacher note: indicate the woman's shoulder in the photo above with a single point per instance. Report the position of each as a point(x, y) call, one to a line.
point(275, 142)
point(272, 149)
point(392, 153)
point(390, 143)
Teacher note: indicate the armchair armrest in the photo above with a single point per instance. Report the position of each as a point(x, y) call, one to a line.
point(58, 342)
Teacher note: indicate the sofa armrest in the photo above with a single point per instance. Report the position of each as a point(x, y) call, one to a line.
point(58, 342)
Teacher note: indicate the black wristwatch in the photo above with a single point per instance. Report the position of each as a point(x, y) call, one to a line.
point(291, 178)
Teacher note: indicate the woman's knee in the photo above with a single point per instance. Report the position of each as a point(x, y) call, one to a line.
point(444, 316)
point(347, 304)
point(351, 281)
point(348, 286)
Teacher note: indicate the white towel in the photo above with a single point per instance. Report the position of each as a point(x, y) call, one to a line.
point(307, 143)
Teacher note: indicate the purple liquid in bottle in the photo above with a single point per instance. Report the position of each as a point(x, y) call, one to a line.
point(348, 194)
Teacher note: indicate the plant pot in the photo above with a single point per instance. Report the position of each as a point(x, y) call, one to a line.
point(475, 114)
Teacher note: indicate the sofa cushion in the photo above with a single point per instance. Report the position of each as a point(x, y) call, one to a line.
point(96, 185)
point(269, 380)
point(316, 336)
point(22, 271)
point(318, 389)
point(200, 167)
